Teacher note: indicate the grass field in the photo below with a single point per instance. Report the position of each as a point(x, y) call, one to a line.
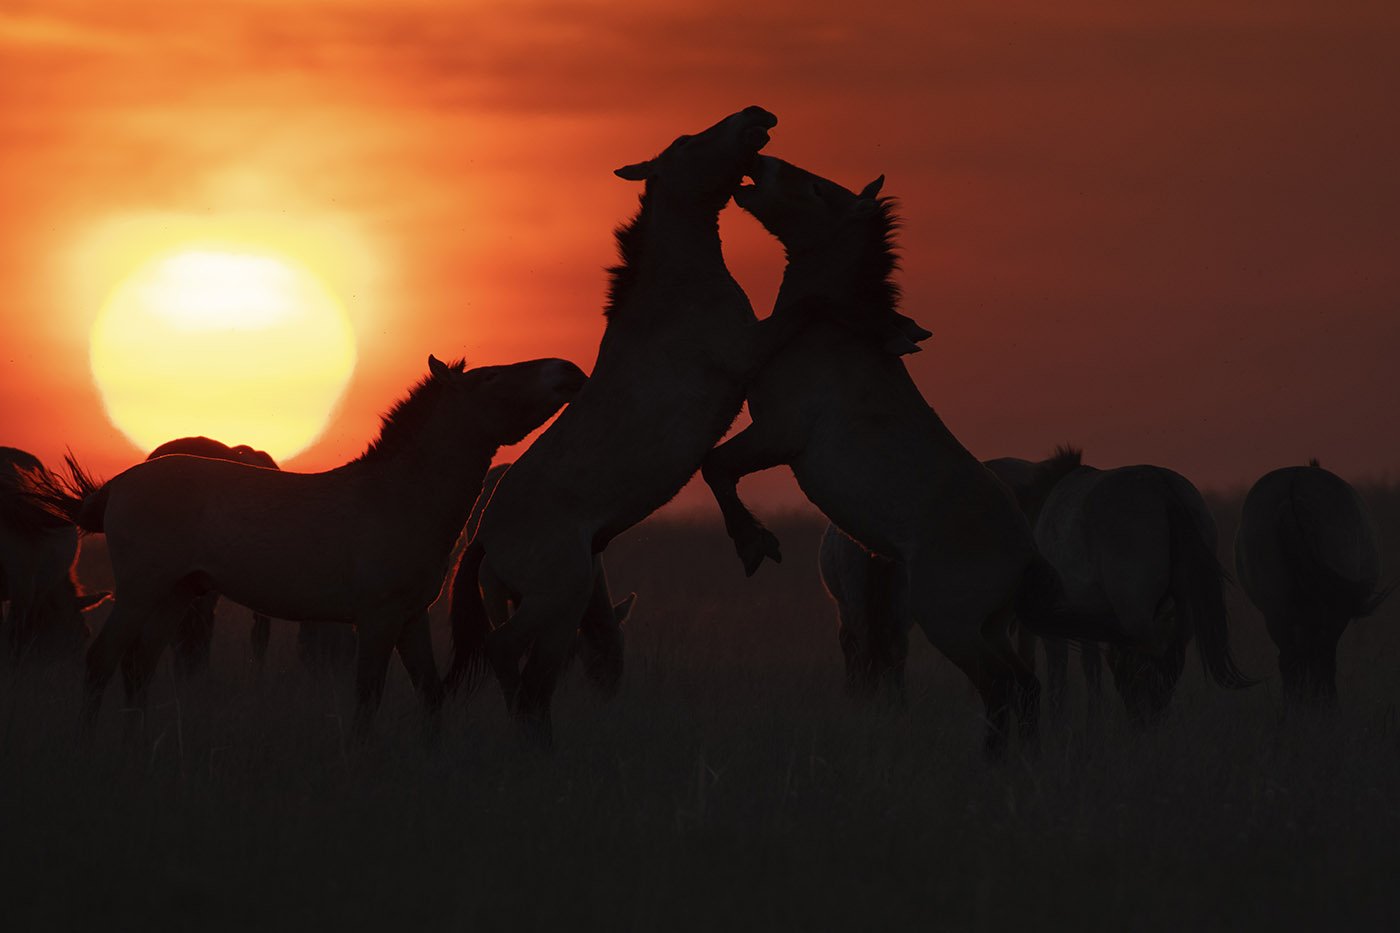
point(729, 786)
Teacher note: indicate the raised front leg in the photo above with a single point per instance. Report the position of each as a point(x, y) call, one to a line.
point(749, 451)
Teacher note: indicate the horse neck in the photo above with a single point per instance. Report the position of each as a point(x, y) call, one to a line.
point(432, 472)
point(825, 274)
point(677, 243)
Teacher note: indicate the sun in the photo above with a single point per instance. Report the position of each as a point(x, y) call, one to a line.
point(241, 346)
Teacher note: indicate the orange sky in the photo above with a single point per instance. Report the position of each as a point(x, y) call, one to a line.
point(1167, 232)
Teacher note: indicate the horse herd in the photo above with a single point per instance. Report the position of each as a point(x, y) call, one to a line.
point(922, 533)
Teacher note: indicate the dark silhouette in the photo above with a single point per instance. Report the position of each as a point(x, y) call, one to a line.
point(1307, 558)
point(46, 604)
point(367, 543)
point(319, 647)
point(1136, 546)
point(195, 633)
point(871, 453)
point(862, 584)
point(681, 342)
point(600, 638)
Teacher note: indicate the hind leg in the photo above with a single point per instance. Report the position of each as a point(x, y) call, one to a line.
point(1057, 677)
point(259, 636)
point(194, 636)
point(957, 619)
point(545, 624)
point(140, 662)
point(108, 649)
point(753, 449)
point(1026, 689)
point(600, 641)
point(415, 648)
point(1091, 661)
point(375, 640)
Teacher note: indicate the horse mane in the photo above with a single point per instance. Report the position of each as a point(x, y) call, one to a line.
point(879, 262)
point(623, 276)
point(402, 422)
point(1063, 461)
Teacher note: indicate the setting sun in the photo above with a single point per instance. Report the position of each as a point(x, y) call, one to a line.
point(242, 347)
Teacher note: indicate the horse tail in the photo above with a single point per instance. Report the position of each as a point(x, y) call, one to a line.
point(1042, 606)
point(54, 499)
point(470, 623)
point(1319, 584)
point(1197, 588)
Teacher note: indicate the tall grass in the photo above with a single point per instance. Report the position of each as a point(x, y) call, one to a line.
point(729, 786)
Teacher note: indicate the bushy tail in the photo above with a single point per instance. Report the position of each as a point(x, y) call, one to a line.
point(1198, 592)
point(53, 499)
point(470, 624)
point(1041, 605)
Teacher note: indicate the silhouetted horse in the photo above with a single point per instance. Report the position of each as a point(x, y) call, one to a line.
point(1135, 546)
point(681, 342)
point(1307, 557)
point(871, 453)
point(46, 604)
point(367, 543)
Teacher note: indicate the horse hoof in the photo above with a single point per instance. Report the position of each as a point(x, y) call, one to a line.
point(761, 544)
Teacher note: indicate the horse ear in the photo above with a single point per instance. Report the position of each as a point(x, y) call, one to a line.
point(637, 171)
point(873, 189)
point(624, 608)
point(436, 367)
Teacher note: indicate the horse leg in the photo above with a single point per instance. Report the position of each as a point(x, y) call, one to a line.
point(1091, 660)
point(600, 642)
point(107, 650)
point(1026, 687)
point(139, 666)
point(375, 639)
point(259, 636)
point(194, 636)
point(1057, 677)
point(546, 623)
point(415, 648)
point(955, 618)
point(749, 451)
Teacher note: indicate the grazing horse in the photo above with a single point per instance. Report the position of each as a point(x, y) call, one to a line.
point(1136, 546)
point(680, 344)
point(1307, 557)
point(870, 452)
point(46, 604)
point(862, 584)
point(367, 543)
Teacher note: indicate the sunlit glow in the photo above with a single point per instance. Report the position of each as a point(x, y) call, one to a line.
point(244, 347)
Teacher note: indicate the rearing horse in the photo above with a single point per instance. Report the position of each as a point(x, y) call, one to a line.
point(680, 344)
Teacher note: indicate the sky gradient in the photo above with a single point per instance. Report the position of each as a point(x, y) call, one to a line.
point(1165, 232)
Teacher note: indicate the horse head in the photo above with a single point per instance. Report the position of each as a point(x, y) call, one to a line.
point(508, 402)
point(805, 210)
point(706, 167)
